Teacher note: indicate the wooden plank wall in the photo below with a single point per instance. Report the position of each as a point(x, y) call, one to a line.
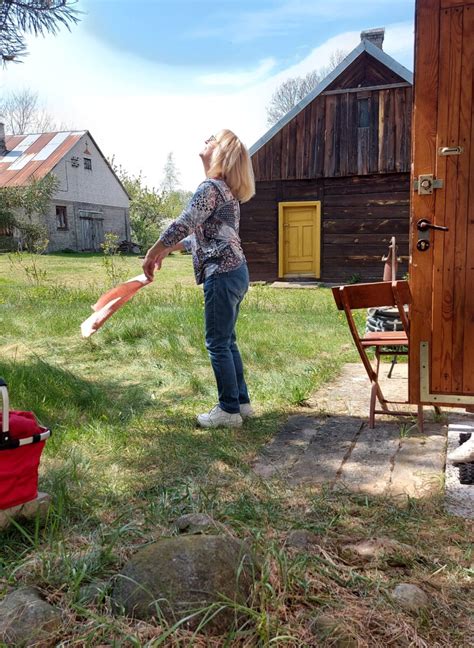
point(325, 139)
point(365, 71)
point(359, 216)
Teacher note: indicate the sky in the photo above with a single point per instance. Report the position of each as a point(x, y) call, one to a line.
point(150, 77)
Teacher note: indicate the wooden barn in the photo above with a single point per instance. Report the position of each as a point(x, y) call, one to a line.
point(333, 175)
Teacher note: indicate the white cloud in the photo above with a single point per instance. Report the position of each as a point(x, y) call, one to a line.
point(140, 111)
point(240, 78)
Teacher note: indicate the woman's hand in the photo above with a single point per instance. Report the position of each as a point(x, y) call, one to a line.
point(155, 255)
point(153, 259)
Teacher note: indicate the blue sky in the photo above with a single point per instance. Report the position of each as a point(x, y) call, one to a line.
point(216, 35)
point(148, 77)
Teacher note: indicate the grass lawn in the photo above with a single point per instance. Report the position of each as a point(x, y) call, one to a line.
point(126, 459)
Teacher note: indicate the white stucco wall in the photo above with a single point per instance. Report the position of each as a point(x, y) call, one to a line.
point(98, 186)
point(95, 193)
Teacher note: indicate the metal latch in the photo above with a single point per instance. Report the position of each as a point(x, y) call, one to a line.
point(426, 184)
point(450, 150)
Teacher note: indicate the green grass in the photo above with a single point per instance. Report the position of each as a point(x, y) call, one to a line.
point(126, 459)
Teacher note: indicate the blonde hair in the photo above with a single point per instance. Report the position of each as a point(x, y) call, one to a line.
point(231, 161)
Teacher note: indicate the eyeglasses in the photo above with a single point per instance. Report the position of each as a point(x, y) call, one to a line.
point(210, 139)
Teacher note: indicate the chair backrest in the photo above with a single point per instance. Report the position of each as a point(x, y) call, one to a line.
point(372, 295)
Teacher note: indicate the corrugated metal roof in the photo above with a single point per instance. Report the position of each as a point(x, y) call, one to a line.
point(34, 156)
point(364, 46)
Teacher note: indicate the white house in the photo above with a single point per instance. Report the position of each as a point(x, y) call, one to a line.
point(90, 200)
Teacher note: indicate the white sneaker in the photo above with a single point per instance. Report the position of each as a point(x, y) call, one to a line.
point(218, 418)
point(246, 410)
point(464, 453)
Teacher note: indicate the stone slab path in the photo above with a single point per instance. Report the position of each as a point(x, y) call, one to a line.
point(330, 441)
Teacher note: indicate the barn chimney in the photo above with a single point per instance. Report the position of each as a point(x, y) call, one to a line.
point(3, 146)
point(375, 36)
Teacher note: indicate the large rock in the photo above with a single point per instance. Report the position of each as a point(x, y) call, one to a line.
point(178, 576)
point(26, 619)
point(410, 597)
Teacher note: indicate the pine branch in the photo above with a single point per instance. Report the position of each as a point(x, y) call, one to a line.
point(38, 17)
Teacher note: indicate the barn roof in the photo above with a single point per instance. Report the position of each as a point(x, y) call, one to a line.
point(364, 46)
point(34, 155)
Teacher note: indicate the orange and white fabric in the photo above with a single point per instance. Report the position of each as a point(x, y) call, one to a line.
point(110, 302)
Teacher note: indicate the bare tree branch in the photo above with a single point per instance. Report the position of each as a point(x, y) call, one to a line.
point(21, 112)
point(293, 90)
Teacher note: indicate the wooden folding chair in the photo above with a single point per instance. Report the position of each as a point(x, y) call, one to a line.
point(393, 343)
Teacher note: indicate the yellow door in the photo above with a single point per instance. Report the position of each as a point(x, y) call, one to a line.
point(299, 239)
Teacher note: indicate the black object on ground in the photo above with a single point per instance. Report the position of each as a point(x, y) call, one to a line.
point(466, 470)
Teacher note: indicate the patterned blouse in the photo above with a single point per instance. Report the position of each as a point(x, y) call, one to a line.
point(209, 228)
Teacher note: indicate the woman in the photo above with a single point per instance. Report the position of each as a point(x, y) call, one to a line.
point(209, 227)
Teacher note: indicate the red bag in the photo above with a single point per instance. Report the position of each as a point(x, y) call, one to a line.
point(21, 444)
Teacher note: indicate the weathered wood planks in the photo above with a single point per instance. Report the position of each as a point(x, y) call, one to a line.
point(326, 140)
point(359, 215)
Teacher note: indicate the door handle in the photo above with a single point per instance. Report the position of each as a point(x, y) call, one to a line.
point(450, 150)
point(423, 225)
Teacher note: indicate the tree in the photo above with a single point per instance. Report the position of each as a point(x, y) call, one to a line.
point(38, 17)
point(171, 174)
point(22, 113)
point(293, 90)
point(173, 198)
point(20, 208)
point(145, 207)
point(151, 210)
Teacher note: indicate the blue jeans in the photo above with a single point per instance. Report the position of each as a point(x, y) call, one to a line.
point(223, 293)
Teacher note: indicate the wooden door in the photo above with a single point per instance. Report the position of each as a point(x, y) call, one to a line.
point(299, 239)
point(92, 232)
point(442, 262)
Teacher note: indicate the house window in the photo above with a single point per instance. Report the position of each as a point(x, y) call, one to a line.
point(61, 217)
point(88, 164)
point(363, 113)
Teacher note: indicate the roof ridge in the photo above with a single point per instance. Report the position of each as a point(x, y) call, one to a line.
point(363, 46)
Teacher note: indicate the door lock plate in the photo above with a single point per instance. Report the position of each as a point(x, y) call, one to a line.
point(423, 245)
point(426, 183)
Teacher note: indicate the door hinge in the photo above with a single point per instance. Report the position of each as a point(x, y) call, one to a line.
point(425, 184)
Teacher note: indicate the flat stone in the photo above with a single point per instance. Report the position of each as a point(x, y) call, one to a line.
point(301, 539)
point(193, 523)
point(26, 619)
point(419, 464)
point(369, 466)
point(308, 449)
point(288, 445)
point(294, 284)
point(379, 548)
point(324, 456)
point(28, 510)
point(341, 450)
point(410, 597)
point(326, 626)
